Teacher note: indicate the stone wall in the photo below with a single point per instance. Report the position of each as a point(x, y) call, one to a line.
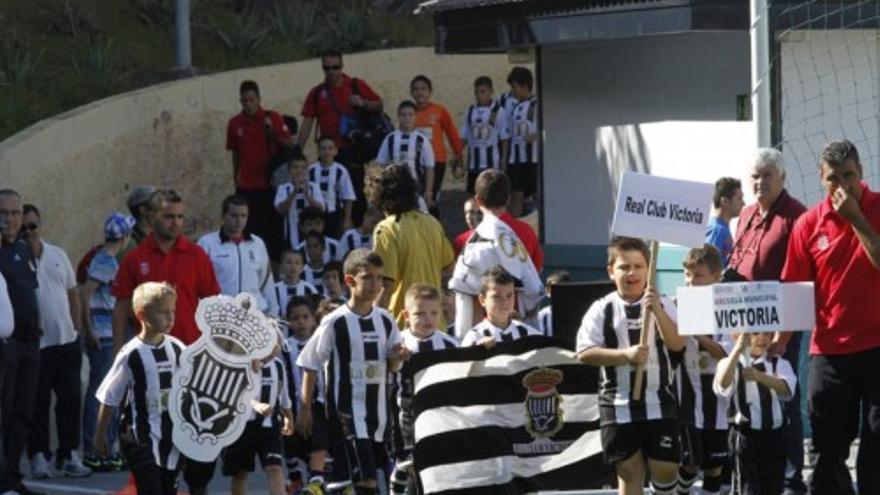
point(79, 166)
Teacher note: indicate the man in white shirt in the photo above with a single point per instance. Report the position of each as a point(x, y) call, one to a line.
point(60, 356)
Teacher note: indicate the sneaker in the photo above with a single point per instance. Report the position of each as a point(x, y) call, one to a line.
point(98, 464)
point(40, 467)
point(74, 468)
point(314, 488)
point(116, 463)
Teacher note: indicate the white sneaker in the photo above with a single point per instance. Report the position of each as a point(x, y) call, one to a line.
point(40, 467)
point(74, 468)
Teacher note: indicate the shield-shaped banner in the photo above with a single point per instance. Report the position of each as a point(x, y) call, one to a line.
point(213, 387)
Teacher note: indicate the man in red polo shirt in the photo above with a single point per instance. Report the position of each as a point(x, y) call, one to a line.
point(836, 245)
point(165, 255)
point(254, 136)
point(333, 103)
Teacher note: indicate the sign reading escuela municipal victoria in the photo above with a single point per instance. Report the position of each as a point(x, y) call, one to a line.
point(662, 209)
point(745, 307)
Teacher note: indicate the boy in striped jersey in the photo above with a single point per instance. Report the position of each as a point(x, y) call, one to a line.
point(290, 269)
point(311, 220)
point(358, 343)
point(302, 447)
point(498, 298)
point(703, 413)
point(756, 384)
point(484, 130)
point(142, 373)
point(362, 236)
point(407, 146)
point(545, 315)
point(316, 261)
point(332, 282)
point(522, 126)
point(294, 197)
point(271, 416)
point(422, 312)
point(335, 184)
point(634, 432)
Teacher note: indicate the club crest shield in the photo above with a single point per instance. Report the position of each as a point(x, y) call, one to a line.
point(212, 389)
point(543, 411)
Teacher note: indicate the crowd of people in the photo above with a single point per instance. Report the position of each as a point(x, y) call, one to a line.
point(347, 253)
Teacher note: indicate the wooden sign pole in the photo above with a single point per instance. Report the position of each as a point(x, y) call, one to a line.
point(647, 321)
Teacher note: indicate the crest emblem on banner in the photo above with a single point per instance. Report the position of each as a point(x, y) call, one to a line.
point(543, 411)
point(212, 389)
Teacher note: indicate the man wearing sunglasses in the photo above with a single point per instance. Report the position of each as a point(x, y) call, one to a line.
point(333, 104)
point(20, 354)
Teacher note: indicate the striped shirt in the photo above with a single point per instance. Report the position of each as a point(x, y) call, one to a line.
point(284, 291)
point(141, 375)
point(754, 406)
point(314, 277)
point(353, 239)
point(332, 251)
point(698, 403)
point(412, 149)
point(545, 321)
point(436, 341)
point(521, 123)
point(274, 390)
point(295, 348)
point(335, 184)
point(483, 128)
point(514, 331)
point(299, 203)
point(613, 323)
point(354, 349)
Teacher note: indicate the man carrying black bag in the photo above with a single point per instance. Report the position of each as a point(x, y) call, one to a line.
point(257, 137)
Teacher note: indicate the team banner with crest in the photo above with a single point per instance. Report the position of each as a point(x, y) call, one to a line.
point(518, 418)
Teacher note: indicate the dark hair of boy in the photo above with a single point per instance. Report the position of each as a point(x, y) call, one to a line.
point(297, 155)
point(297, 301)
point(335, 266)
point(361, 259)
point(397, 191)
point(492, 188)
point(725, 187)
point(621, 244)
point(707, 255)
point(315, 235)
point(558, 276)
point(331, 53)
point(422, 78)
point(422, 292)
point(291, 252)
point(326, 138)
point(836, 153)
point(494, 277)
point(232, 200)
point(483, 82)
point(521, 76)
point(29, 208)
point(406, 104)
point(310, 213)
point(248, 85)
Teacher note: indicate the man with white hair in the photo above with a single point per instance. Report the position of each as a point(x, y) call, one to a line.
point(759, 254)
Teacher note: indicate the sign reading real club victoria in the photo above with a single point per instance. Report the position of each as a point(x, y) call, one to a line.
point(746, 307)
point(662, 209)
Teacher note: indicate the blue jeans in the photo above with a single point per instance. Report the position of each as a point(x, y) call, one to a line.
point(100, 361)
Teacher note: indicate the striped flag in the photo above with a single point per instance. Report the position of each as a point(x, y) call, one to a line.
point(519, 418)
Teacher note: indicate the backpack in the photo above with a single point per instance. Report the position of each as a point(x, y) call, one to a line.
point(366, 130)
point(82, 268)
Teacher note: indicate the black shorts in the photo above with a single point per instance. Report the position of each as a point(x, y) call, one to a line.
point(706, 449)
point(658, 440)
point(254, 441)
point(523, 178)
point(356, 459)
point(297, 446)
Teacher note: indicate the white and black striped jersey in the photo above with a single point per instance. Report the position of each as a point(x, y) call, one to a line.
point(282, 292)
point(354, 350)
point(514, 331)
point(314, 277)
point(483, 128)
point(332, 251)
point(141, 375)
point(437, 341)
point(508, 102)
point(299, 203)
point(412, 149)
point(353, 239)
point(614, 323)
point(294, 349)
point(275, 391)
point(698, 404)
point(755, 406)
point(521, 122)
point(545, 321)
point(334, 182)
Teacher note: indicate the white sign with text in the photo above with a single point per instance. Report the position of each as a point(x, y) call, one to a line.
point(746, 307)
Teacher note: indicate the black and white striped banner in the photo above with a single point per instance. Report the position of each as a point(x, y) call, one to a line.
point(519, 418)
